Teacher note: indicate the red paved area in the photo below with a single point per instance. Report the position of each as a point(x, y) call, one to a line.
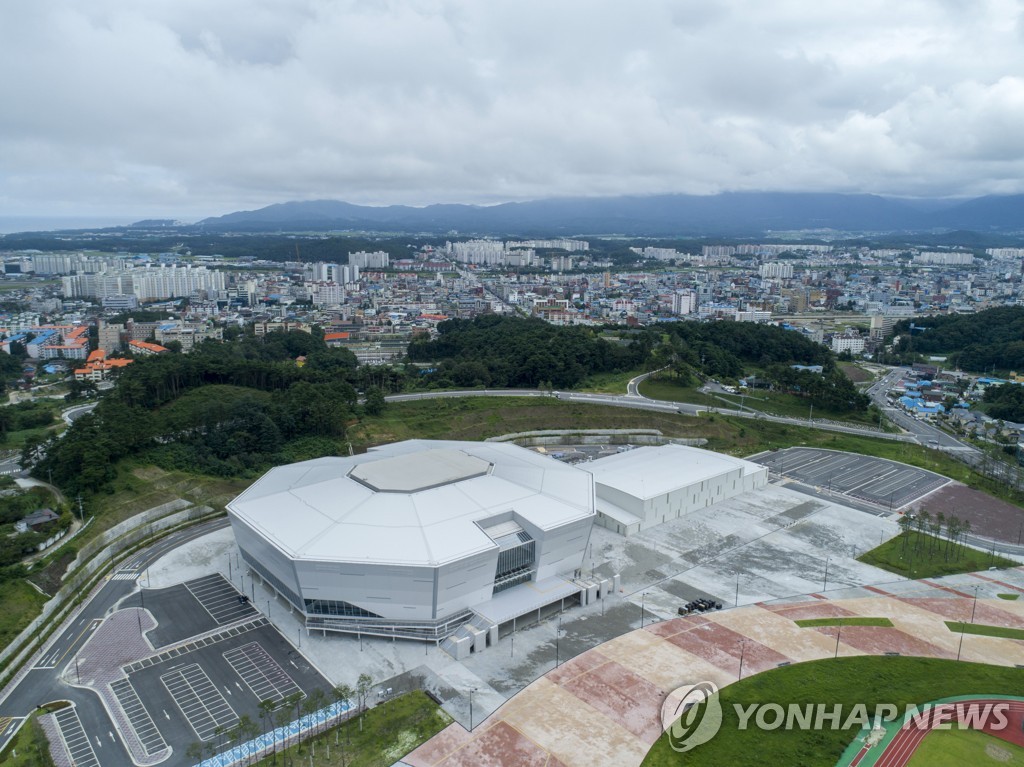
point(962, 609)
point(806, 610)
point(988, 516)
point(676, 625)
point(947, 589)
point(878, 640)
point(498, 744)
point(1004, 584)
point(722, 647)
point(623, 696)
point(448, 741)
point(876, 590)
point(581, 664)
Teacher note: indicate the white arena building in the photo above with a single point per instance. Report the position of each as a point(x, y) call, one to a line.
point(417, 538)
point(456, 541)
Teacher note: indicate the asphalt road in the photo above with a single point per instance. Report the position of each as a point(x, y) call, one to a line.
point(43, 683)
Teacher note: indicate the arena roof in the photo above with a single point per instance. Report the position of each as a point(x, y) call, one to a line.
point(418, 502)
point(647, 472)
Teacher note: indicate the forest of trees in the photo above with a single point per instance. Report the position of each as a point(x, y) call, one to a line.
point(1006, 402)
point(977, 342)
point(511, 352)
point(227, 409)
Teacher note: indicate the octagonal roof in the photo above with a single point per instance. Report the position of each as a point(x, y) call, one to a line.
point(418, 502)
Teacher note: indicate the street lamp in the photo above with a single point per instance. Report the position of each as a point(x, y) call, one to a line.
point(743, 647)
point(838, 634)
point(471, 691)
point(824, 585)
point(963, 626)
point(558, 633)
point(643, 597)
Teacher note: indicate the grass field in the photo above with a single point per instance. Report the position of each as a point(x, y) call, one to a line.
point(897, 557)
point(956, 748)
point(814, 622)
point(29, 748)
point(19, 604)
point(774, 403)
point(389, 732)
point(1009, 597)
point(608, 383)
point(855, 372)
point(986, 631)
point(847, 681)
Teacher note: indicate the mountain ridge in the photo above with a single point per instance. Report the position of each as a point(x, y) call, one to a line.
point(735, 213)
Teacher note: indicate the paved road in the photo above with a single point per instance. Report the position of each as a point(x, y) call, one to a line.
point(43, 683)
point(72, 414)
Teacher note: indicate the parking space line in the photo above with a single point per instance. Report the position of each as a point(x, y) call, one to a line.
point(138, 717)
point(199, 700)
point(75, 739)
point(261, 673)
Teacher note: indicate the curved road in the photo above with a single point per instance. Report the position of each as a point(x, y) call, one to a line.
point(43, 683)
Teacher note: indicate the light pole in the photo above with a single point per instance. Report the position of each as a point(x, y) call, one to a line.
point(743, 647)
point(558, 634)
point(824, 585)
point(838, 634)
point(736, 602)
point(963, 626)
point(471, 691)
point(643, 597)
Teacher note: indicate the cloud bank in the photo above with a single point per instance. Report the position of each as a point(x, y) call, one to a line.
point(191, 108)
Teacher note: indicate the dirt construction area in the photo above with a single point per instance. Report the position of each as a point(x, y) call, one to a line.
point(988, 516)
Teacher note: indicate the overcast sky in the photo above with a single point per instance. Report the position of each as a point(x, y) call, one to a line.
point(191, 108)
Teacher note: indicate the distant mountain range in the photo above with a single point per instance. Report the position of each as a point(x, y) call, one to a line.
point(739, 213)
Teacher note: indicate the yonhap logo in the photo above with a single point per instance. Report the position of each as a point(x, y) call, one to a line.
point(691, 715)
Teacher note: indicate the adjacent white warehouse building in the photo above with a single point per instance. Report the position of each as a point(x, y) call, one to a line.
point(647, 486)
point(414, 539)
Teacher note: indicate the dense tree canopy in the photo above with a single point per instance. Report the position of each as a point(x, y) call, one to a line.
point(225, 409)
point(1006, 402)
point(978, 342)
point(507, 351)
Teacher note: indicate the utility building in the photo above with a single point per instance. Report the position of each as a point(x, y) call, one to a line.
point(647, 486)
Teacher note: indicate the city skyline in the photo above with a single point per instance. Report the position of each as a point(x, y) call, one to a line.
point(179, 110)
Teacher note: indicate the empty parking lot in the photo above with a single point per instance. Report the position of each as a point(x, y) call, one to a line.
point(885, 483)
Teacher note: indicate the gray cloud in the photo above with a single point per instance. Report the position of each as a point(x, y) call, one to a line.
point(192, 108)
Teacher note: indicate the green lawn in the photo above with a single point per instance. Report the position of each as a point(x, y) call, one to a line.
point(389, 732)
point(956, 748)
point(855, 372)
point(848, 681)
point(30, 747)
point(608, 383)
point(19, 604)
point(814, 622)
point(985, 631)
point(1009, 597)
point(924, 556)
point(774, 403)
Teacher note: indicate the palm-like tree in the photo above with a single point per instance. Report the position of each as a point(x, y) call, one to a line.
point(267, 708)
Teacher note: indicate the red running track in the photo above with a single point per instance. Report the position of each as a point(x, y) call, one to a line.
point(902, 747)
